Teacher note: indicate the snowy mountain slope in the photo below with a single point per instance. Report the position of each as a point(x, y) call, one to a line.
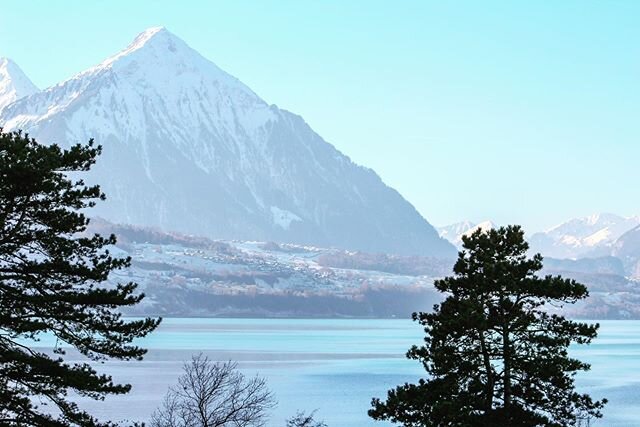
point(454, 232)
point(14, 84)
point(188, 147)
point(589, 236)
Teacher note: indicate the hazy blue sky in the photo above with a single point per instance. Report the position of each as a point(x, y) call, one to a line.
point(519, 112)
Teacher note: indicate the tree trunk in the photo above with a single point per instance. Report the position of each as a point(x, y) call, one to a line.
point(506, 350)
point(490, 379)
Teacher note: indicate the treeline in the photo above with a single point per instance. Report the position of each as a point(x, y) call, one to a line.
point(129, 234)
point(383, 302)
point(395, 264)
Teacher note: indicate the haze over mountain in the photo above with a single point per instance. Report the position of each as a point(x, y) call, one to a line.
point(14, 84)
point(188, 147)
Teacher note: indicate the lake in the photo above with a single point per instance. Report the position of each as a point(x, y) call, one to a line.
point(337, 366)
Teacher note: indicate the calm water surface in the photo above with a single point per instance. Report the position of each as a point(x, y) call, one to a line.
point(337, 366)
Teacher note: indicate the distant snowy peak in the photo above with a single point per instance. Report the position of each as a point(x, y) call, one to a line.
point(587, 236)
point(14, 84)
point(585, 226)
point(454, 232)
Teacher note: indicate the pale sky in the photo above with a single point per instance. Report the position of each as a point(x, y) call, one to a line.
point(518, 112)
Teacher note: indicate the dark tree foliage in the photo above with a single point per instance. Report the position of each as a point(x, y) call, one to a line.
point(50, 282)
point(493, 355)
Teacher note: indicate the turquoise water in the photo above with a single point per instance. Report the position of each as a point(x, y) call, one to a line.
point(337, 366)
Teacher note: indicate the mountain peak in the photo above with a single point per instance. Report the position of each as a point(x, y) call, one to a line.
point(14, 84)
point(158, 57)
point(149, 33)
point(155, 42)
point(158, 36)
point(188, 147)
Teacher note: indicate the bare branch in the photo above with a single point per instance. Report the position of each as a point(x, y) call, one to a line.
point(214, 394)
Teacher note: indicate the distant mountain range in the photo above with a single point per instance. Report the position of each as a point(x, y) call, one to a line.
point(590, 236)
point(188, 147)
point(600, 243)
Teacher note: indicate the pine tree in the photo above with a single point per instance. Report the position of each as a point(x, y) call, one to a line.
point(493, 355)
point(51, 275)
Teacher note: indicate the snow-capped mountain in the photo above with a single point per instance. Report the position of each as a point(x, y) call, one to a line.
point(455, 232)
point(589, 236)
point(188, 147)
point(14, 84)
